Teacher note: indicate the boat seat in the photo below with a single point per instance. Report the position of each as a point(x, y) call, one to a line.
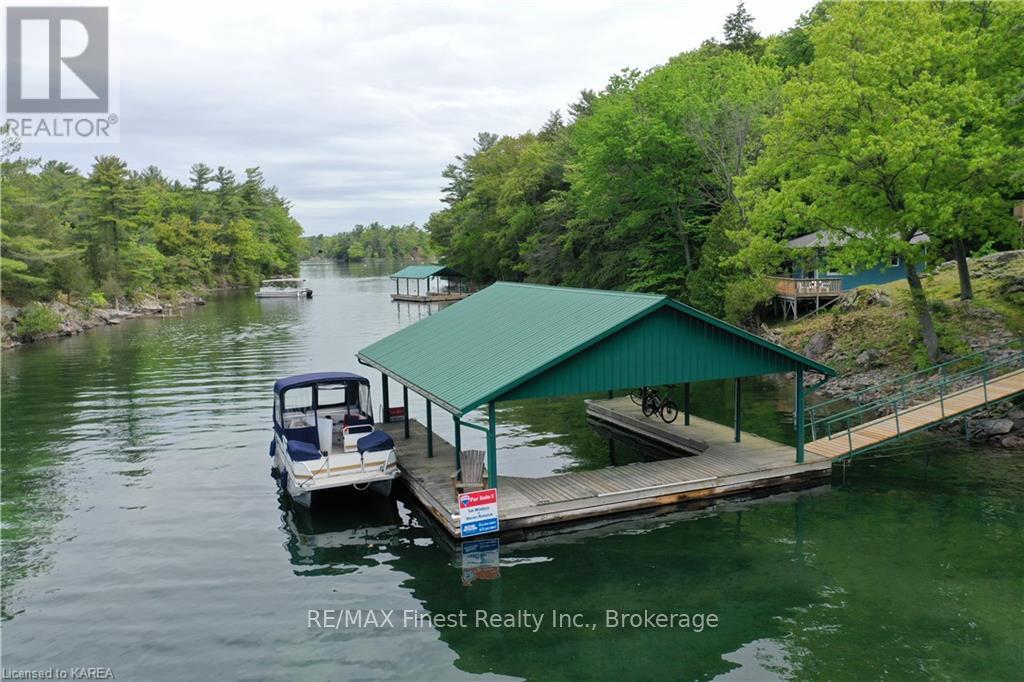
point(378, 441)
point(301, 451)
point(351, 421)
point(306, 434)
point(471, 475)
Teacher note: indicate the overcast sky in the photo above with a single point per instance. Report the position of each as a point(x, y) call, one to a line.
point(353, 109)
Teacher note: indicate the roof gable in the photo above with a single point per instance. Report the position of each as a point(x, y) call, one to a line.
point(489, 345)
point(425, 271)
point(466, 353)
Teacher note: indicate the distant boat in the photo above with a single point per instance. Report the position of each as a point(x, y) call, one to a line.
point(324, 437)
point(284, 287)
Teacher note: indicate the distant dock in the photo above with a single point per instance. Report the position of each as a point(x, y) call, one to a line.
point(434, 284)
point(432, 297)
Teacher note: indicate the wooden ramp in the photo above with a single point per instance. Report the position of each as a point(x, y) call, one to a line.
point(916, 417)
point(722, 469)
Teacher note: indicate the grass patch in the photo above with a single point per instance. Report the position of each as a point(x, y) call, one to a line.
point(37, 320)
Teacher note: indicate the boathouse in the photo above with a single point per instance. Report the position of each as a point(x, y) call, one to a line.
point(434, 283)
point(515, 341)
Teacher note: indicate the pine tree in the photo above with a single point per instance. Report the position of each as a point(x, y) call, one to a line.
point(738, 28)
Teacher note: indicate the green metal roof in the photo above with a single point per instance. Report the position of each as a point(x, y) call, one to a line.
point(513, 341)
point(425, 271)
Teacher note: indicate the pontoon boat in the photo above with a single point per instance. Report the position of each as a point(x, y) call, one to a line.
point(324, 436)
point(284, 287)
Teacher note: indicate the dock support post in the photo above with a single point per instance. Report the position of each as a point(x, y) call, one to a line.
point(492, 447)
point(799, 415)
point(686, 404)
point(430, 430)
point(736, 416)
point(385, 418)
point(405, 404)
point(458, 445)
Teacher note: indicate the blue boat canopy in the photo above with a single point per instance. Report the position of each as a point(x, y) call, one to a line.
point(314, 378)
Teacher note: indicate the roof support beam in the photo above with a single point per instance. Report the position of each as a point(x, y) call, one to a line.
point(430, 430)
point(386, 417)
point(492, 447)
point(458, 446)
point(686, 404)
point(405, 404)
point(799, 415)
point(736, 412)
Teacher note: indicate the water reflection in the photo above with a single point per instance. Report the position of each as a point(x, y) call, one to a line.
point(348, 531)
point(747, 570)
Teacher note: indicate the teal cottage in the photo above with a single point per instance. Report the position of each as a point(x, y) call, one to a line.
point(813, 281)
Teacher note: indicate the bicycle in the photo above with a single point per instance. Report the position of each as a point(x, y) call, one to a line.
point(664, 407)
point(639, 395)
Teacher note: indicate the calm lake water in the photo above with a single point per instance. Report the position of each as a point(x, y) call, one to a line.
point(142, 532)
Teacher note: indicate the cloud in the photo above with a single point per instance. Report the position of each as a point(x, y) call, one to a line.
point(353, 109)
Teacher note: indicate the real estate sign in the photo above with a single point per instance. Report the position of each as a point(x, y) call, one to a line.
point(478, 512)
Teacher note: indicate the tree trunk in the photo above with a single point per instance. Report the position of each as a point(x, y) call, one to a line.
point(684, 236)
point(960, 252)
point(924, 316)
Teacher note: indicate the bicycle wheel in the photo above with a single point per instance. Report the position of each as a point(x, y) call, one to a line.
point(669, 412)
point(637, 396)
point(650, 406)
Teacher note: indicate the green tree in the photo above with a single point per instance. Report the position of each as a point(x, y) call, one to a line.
point(888, 133)
point(739, 32)
point(109, 229)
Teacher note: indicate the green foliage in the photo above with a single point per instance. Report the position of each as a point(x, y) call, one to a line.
point(621, 196)
point(118, 233)
point(739, 32)
point(865, 119)
point(398, 242)
point(706, 285)
point(893, 129)
point(888, 132)
point(743, 297)
point(36, 320)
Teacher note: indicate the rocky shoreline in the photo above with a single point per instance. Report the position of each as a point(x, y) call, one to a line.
point(870, 371)
point(1001, 425)
point(75, 319)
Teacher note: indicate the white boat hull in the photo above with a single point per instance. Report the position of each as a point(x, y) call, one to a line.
point(374, 471)
point(284, 293)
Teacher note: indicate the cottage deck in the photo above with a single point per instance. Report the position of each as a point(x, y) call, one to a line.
point(723, 468)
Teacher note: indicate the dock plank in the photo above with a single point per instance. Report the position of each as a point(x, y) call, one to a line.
point(721, 468)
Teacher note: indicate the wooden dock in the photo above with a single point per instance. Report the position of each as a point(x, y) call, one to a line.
point(432, 297)
point(722, 468)
point(916, 417)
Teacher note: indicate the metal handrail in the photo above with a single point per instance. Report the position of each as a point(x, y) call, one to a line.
point(917, 390)
point(906, 378)
point(904, 396)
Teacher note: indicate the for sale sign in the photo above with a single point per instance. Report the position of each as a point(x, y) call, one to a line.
point(478, 512)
